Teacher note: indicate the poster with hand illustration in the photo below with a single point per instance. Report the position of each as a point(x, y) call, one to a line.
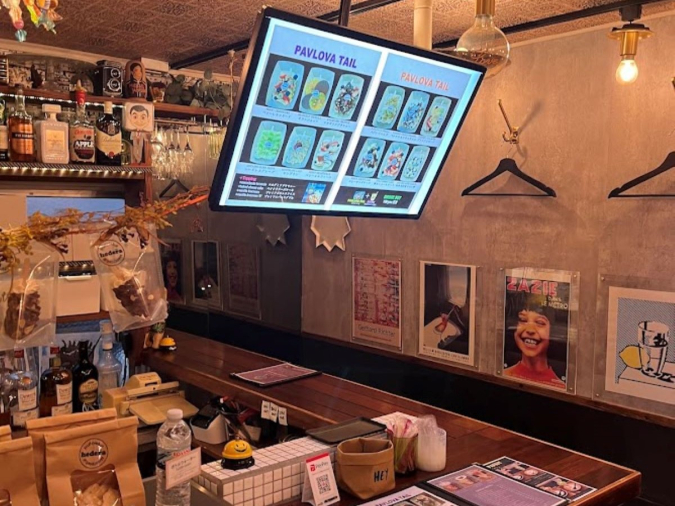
point(640, 352)
point(447, 312)
point(537, 329)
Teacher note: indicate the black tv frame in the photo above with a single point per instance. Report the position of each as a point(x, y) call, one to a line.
point(246, 79)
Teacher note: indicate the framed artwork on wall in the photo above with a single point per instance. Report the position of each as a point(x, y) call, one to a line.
point(448, 312)
point(640, 351)
point(243, 280)
point(376, 302)
point(538, 329)
point(206, 274)
point(171, 253)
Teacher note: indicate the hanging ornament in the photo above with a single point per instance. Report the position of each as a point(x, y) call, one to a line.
point(197, 226)
point(330, 231)
point(274, 227)
point(15, 14)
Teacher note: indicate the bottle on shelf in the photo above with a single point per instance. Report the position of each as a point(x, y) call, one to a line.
point(4, 143)
point(85, 381)
point(109, 368)
point(24, 405)
point(56, 387)
point(82, 148)
point(21, 134)
point(108, 138)
point(52, 136)
point(173, 437)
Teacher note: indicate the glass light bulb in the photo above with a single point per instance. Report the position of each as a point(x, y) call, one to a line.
point(627, 72)
point(484, 44)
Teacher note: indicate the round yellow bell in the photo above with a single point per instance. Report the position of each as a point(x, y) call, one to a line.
point(167, 344)
point(237, 454)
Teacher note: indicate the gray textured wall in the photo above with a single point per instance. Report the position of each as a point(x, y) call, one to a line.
point(583, 134)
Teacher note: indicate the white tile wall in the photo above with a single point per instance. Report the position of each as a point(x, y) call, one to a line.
point(277, 476)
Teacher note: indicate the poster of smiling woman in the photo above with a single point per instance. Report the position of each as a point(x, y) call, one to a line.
point(537, 329)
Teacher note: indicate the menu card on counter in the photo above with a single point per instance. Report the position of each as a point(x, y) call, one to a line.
point(478, 486)
point(413, 496)
point(543, 480)
point(275, 375)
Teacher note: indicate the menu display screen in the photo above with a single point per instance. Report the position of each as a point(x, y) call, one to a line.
point(330, 121)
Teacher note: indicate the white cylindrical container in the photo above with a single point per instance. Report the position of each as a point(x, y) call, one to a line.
point(431, 450)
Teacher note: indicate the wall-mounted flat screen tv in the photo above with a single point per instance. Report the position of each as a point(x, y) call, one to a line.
point(329, 121)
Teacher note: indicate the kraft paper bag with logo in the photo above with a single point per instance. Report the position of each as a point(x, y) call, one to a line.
point(95, 465)
point(5, 433)
point(365, 467)
point(39, 427)
point(17, 480)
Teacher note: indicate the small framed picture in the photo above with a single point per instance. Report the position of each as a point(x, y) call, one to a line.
point(138, 117)
point(171, 253)
point(206, 273)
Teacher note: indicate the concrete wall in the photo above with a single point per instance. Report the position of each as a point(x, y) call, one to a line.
point(582, 134)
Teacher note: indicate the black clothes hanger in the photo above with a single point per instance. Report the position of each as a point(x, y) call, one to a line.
point(174, 182)
point(667, 164)
point(509, 165)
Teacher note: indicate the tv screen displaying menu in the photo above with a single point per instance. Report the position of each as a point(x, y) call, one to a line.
point(332, 121)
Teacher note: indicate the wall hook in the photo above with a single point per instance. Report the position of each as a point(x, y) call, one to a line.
point(513, 135)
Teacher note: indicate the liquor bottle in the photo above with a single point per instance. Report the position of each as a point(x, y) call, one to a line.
point(21, 135)
point(51, 136)
point(24, 406)
point(108, 138)
point(82, 148)
point(56, 387)
point(85, 381)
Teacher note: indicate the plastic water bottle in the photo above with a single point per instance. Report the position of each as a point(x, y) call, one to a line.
point(174, 436)
point(109, 368)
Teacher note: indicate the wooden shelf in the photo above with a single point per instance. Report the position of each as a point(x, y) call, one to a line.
point(162, 110)
point(101, 315)
point(35, 169)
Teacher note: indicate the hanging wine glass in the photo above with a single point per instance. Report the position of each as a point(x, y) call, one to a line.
point(188, 153)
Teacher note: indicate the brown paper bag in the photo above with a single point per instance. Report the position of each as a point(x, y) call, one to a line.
point(5, 433)
point(17, 480)
point(365, 467)
point(95, 463)
point(39, 427)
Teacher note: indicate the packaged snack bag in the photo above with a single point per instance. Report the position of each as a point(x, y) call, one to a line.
point(41, 426)
point(131, 280)
point(5, 433)
point(28, 301)
point(17, 481)
point(95, 465)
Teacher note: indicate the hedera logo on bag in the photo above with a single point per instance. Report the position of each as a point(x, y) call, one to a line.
point(93, 453)
point(111, 253)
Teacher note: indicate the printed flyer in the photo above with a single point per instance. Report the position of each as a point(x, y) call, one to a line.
point(640, 352)
point(243, 276)
point(376, 299)
point(537, 326)
point(413, 496)
point(447, 312)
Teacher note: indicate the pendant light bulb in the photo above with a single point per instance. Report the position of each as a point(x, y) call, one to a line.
point(484, 43)
point(627, 72)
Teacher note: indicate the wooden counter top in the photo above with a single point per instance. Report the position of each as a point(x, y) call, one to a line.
point(320, 400)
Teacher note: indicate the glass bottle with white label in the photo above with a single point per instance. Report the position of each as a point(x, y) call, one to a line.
point(24, 382)
point(85, 381)
point(52, 136)
point(56, 387)
point(108, 138)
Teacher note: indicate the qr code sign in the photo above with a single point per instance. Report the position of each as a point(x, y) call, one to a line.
point(324, 484)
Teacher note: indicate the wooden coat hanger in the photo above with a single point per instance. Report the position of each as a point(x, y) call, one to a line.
point(509, 165)
point(667, 164)
point(174, 182)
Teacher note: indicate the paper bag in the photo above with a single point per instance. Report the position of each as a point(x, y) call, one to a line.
point(365, 467)
point(17, 480)
point(95, 464)
point(39, 427)
point(5, 433)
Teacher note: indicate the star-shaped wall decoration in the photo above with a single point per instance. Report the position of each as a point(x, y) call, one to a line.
point(274, 228)
point(330, 231)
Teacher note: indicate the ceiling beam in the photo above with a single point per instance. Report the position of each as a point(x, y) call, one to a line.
point(559, 19)
point(333, 16)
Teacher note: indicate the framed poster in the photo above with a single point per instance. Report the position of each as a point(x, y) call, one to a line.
point(537, 326)
point(206, 273)
point(376, 301)
point(448, 312)
point(243, 280)
point(640, 352)
point(171, 254)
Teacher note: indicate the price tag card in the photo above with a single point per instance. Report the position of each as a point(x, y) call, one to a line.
point(320, 488)
point(265, 410)
point(183, 467)
point(274, 412)
point(283, 416)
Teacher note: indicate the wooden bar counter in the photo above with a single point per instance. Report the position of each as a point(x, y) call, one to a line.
point(325, 399)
